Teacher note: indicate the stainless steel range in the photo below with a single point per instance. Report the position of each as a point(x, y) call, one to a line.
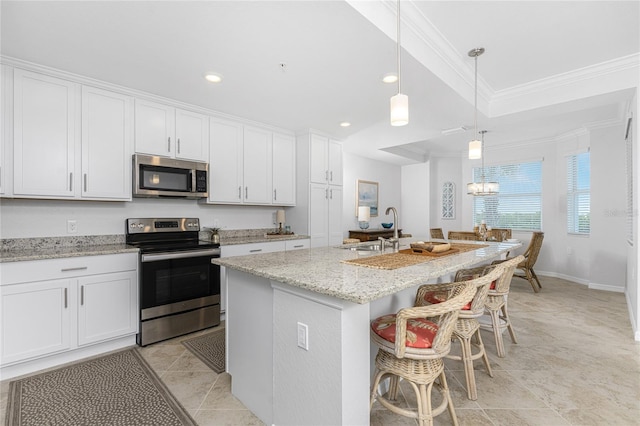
point(179, 286)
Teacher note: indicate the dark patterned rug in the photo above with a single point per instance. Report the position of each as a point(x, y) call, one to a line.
point(116, 389)
point(210, 348)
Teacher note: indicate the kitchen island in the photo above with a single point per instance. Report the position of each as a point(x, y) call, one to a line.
point(298, 346)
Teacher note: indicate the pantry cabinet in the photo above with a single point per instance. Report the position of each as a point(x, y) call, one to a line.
point(170, 132)
point(319, 191)
point(243, 168)
point(60, 305)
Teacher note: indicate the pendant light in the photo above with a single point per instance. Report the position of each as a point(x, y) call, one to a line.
point(399, 102)
point(475, 149)
point(483, 188)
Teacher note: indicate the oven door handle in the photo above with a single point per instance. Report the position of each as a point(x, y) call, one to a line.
point(155, 257)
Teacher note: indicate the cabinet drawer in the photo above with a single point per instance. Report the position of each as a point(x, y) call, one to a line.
point(253, 248)
point(49, 269)
point(296, 244)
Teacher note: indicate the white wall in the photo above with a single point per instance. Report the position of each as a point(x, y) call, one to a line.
point(416, 199)
point(388, 177)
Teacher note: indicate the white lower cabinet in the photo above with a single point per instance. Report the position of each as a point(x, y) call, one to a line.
point(36, 320)
point(60, 305)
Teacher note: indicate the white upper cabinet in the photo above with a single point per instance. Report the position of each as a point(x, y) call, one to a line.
point(192, 135)
point(257, 166)
point(250, 165)
point(70, 141)
point(169, 132)
point(284, 170)
point(107, 120)
point(44, 130)
point(326, 160)
point(225, 162)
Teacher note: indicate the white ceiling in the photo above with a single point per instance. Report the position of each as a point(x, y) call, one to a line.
point(336, 53)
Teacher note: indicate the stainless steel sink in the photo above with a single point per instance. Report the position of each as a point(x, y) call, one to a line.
point(375, 246)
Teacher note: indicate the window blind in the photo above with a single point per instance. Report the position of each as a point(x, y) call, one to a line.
point(579, 193)
point(518, 205)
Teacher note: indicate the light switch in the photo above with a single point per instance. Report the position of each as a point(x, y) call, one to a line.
point(303, 336)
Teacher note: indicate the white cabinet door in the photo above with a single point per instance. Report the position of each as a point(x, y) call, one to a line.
point(335, 162)
point(35, 319)
point(284, 170)
point(296, 244)
point(107, 306)
point(257, 166)
point(318, 215)
point(225, 162)
point(44, 135)
point(107, 120)
point(335, 215)
point(192, 135)
point(319, 172)
point(154, 128)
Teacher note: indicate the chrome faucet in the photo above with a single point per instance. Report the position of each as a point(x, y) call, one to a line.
point(395, 220)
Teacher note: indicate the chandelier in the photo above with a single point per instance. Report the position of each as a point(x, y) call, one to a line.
point(483, 188)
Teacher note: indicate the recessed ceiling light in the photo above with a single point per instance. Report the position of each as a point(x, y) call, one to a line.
point(213, 78)
point(390, 78)
point(345, 124)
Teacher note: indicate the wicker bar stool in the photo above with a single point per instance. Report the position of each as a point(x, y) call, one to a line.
point(437, 233)
point(496, 305)
point(411, 346)
point(467, 325)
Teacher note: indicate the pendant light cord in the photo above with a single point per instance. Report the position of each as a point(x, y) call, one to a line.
point(475, 103)
point(398, 47)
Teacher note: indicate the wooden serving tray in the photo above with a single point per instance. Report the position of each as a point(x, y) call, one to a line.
point(424, 252)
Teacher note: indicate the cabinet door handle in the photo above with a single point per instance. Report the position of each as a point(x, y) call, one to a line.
point(239, 192)
point(79, 268)
point(65, 298)
point(299, 246)
point(326, 194)
point(326, 175)
point(81, 295)
point(331, 175)
point(255, 250)
point(331, 194)
point(169, 144)
point(275, 195)
point(178, 145)
point(85, 182)
point(71, 181)
point(246, 192)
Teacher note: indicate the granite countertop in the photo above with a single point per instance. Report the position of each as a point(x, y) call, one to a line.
point(24, 249)
point(250, 236)
point(320, 269)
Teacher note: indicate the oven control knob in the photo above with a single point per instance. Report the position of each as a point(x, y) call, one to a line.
point(132, 225)
point(140, 225)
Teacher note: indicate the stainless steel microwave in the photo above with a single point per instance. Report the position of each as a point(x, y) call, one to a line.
point(167, 177)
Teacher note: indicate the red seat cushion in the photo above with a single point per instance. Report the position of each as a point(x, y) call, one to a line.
point(434, 297)
point(420, 331)
point(493, 285)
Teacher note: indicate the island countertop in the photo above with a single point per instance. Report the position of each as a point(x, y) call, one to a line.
point(321, 269)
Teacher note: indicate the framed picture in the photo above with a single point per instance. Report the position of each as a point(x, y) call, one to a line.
point(367, 196)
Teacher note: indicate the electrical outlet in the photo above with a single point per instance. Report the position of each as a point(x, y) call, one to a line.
point(303, 336)
point(72, 227)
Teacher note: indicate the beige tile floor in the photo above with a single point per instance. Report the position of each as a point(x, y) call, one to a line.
point(576, 363)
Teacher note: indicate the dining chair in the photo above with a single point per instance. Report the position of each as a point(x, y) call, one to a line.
point(437, 233)
point(467, 325)
point(530, 257)
point(499, 234)
point(462, 235)
point(411, 346)
point(496, 306)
